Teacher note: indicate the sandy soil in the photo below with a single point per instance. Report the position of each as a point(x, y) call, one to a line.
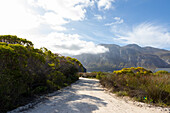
point(86, 96)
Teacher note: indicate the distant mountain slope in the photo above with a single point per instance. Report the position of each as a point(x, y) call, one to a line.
point(131, 55)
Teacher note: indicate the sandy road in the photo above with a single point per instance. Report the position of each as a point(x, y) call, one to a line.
point(85, 96)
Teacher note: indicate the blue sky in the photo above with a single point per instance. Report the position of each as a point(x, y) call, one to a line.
point(73, 27)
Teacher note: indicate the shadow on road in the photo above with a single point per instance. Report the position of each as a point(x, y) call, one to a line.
point(69, 101)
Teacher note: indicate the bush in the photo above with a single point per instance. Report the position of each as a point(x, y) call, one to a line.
point(145, 87)
point(122, 93)
point(100, 75)
point(27, 72)
point(162, 72)
point(133, 71)
point(56, 80)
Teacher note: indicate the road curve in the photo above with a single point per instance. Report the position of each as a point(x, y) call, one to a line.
point(86, 96)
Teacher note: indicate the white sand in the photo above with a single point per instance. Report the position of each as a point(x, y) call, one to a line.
point(86, 96)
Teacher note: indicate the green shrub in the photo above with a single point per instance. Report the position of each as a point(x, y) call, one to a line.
point(144, 85)
point(133, 71)
point(100, 75)
point(39, 89)
point(27, 72)
point(162, 72)
point(122, 93)
point(56, 80)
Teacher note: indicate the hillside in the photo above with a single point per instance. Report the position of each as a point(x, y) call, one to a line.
point(130, 55)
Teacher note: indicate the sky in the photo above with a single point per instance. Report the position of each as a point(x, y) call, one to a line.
point(73, 27)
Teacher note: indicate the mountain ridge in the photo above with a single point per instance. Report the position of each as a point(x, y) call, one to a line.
point(131, 55)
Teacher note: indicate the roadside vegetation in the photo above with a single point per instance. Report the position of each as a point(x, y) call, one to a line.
point(26, 72)
point(139, 83)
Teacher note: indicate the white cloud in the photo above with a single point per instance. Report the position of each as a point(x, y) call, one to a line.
point(69, 44)
point(15, 17)
point(53, 19)
point(99, 17)
point(22, 15)
point(21, 18)
point(58, 28)
point(117, 20)
point(72, 29)
point(68, 9)
point(147, 34)
point(105, 4)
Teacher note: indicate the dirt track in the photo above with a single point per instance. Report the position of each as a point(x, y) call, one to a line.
point(85, 96)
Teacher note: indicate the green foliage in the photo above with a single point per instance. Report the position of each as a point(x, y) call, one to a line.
point(77, 63)
point(162, 72)
point(56, 80)
point(99, 75)
point(26, 72)
point(133, 71)
point(39, 89)
point(122, 93)
point(15, 40)
point(3, 43)
point(143, 85)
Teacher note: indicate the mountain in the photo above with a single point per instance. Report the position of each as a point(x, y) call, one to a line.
point(130, 55)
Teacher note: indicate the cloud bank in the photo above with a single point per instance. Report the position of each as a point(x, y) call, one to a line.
point(70, 44)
